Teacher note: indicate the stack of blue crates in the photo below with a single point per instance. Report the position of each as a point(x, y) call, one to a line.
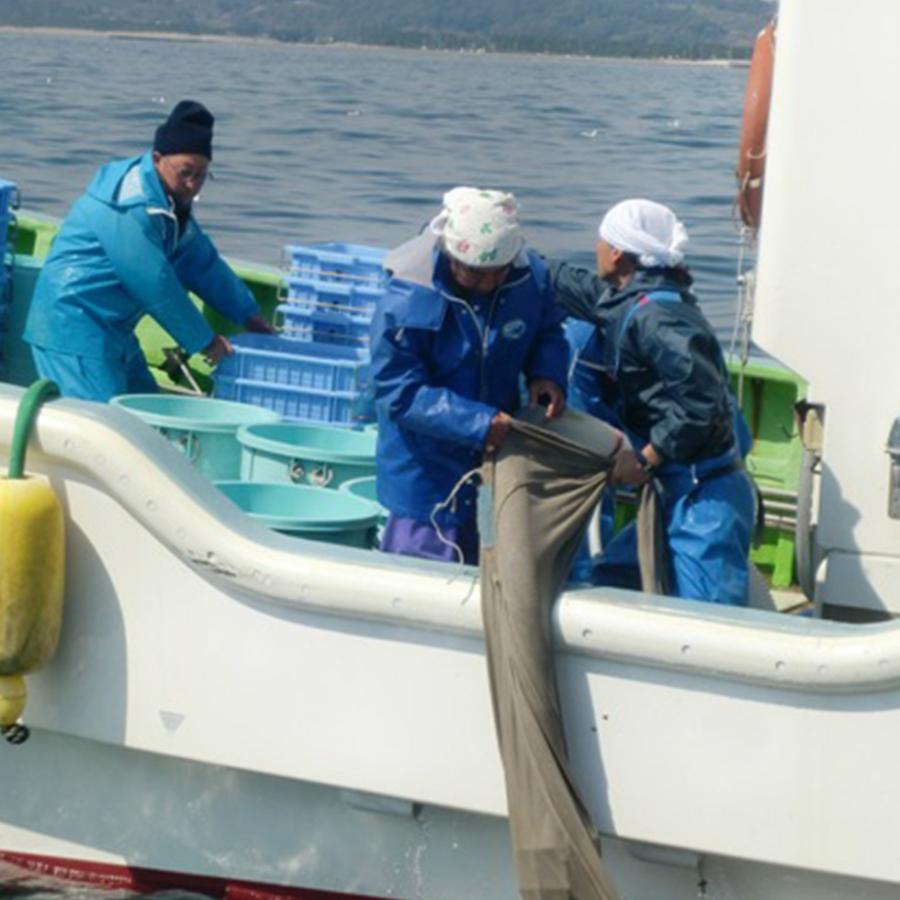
point(8, 199)
point(318, 369)
point(302, 382)
point(332, 290)
point(328, 312)
point(8, 195)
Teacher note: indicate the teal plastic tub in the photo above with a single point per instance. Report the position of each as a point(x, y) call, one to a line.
point(204, 430)
point(365, 488)
point(305, 511)
point(318, 455)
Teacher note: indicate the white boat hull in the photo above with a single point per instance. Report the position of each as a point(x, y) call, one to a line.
point(105, 815)
point(233, 704)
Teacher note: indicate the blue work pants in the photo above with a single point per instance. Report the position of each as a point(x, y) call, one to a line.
point(88, 378)
point(709, 526)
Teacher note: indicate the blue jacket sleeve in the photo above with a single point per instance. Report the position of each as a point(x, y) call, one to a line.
point(204, 272)
point(689, 404)
point(133, 243)
point(405, 395)
point(548, 356)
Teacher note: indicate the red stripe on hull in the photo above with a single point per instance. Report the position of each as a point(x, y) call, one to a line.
point(140, 880)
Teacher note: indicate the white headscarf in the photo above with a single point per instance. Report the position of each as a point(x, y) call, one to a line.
point(478, 227)
point(649, 230)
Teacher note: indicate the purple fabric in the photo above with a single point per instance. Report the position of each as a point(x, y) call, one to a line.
point(410, 537)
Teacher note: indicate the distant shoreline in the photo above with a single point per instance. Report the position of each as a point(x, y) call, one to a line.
point(188, 37)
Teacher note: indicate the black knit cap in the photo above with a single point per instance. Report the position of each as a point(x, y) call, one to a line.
point(187, 130)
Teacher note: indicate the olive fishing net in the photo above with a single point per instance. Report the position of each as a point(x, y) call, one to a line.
point(537, 497)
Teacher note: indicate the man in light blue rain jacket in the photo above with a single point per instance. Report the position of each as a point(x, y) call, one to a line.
point(467, 314)
point(130, 247)
point(656, 361)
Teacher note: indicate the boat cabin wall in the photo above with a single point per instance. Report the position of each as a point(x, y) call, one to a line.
point(827, 302)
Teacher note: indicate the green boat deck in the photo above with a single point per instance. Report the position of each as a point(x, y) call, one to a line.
point(768, 398)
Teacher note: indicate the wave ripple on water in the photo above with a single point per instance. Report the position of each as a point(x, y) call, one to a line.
point(358, 144)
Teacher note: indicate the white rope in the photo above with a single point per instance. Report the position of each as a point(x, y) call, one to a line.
point(450, 502)
point(743, 318)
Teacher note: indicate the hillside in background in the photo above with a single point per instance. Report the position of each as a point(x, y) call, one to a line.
point(697, 29)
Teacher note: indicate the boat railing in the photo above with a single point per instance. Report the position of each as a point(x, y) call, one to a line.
point(129, 462)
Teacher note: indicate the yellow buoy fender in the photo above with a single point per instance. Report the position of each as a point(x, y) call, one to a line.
point(32, 564)
point(12, 699)
point(32, 568)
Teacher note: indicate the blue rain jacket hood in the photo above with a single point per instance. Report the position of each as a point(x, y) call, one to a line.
point(657, 362)
point(443, 367)
point(120, 255)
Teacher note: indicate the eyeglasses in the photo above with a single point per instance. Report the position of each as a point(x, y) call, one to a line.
point(188, 175)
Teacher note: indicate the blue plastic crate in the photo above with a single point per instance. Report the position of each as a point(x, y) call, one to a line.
point(341, 408)
point(319, 296)
point(9, 197)
point(274, 360)
point(337, 261)
point(304, 382)
point(335, 329)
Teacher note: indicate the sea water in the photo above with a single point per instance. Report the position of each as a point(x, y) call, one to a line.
point(316, 143)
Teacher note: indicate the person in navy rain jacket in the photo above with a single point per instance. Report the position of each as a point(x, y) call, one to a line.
point(130, 247)
point(467, 314)
point(657, 363)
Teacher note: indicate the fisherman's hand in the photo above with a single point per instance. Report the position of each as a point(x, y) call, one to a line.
point(628, 469)
point(258, 325)
point(218, 348)
point(498, 432)
point(543, 389)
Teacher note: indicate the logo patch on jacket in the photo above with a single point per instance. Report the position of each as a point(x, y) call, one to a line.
point(514, 329)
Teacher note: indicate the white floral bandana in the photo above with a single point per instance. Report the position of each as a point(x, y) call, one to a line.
point(480, 228)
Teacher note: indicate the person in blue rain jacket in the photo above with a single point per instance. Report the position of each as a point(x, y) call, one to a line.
point(468, 313)
point(656, 361)
point(130, 247)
